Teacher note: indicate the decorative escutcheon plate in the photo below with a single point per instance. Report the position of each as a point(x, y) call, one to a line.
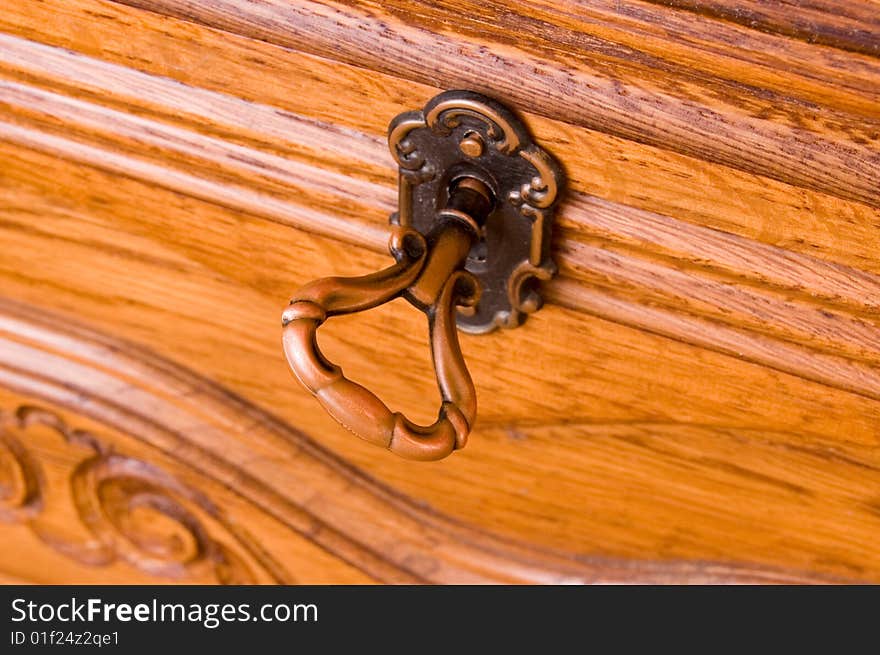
point(465, 134)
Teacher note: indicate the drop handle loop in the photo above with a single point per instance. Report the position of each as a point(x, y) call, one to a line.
point(470, 238)
point(433, 281)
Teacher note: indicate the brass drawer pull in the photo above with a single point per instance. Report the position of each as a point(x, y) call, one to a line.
point(472, 231)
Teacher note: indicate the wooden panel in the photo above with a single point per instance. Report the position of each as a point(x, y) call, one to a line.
point(703, 384)
point(651, 178)
point(91, 505)
point(216, 473)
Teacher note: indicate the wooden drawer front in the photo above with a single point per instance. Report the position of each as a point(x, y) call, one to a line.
point(698, 400)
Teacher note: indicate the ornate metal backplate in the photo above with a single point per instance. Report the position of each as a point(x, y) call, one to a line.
point(465, 134)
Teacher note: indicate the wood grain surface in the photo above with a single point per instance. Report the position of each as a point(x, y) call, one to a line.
point(703, 385)
point(215, 478)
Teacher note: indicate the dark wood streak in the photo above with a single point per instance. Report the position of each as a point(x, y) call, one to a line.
point(850, 26)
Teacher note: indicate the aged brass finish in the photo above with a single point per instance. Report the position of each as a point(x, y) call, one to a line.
point(472, 144)
point(476, 198)
point(465, 134)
